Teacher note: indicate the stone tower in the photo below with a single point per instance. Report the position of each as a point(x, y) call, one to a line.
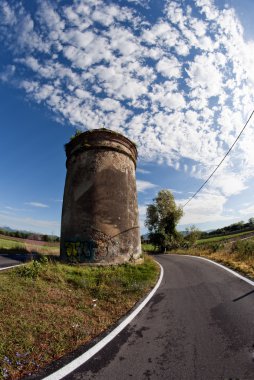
point(100, 211)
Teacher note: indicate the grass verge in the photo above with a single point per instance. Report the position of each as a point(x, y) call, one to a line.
point(238, 256)
point(149, 248)
point(13, 245)
point(48, 309)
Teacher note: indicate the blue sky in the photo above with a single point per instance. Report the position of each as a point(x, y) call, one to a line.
point(175, 77)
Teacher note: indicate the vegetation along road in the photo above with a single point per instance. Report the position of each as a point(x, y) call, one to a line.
point(199, 325)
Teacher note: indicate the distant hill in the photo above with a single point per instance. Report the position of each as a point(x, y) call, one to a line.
point(6, 228)
point(9, 229)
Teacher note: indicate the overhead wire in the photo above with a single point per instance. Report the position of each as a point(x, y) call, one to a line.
point(217, 167)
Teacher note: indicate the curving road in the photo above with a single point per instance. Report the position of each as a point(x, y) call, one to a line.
point(199, 325)
point(9, 260)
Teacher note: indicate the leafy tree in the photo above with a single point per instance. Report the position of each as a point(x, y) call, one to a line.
point(162, 217)
point(45, 238)
point(193, 234)
point(251, 221)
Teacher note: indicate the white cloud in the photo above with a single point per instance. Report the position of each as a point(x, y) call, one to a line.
point(14, 209)
point(181, 86)
point(79, 39)
point(143, 171)
point(170, 68)
point(49, 15)
point(144, 185)
point(207, 207)
point(175, 191)
point(37, 204)
point(247, 211)
point(30, 224)
point(7, 74)
point(7, 14)
point(204, 74)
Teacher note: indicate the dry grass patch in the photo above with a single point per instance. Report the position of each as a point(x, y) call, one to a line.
point(48, 309)
point(238, 256)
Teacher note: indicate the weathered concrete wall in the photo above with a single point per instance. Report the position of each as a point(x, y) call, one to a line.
point(100, 211)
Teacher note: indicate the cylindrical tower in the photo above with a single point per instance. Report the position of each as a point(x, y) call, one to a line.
point(100, 210)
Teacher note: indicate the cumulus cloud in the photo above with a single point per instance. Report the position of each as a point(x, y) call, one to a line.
point(169, 67)
point(181, 85)
point(208, 207)
point(144, 185)
point(247, 211)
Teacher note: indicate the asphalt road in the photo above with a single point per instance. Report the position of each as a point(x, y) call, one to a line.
point(199, 325)
point(7, 260)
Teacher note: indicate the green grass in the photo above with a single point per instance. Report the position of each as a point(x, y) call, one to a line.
point(221, 238)
point(48, 309)
point(148, 248)
point(11, 244)
point(16, 245)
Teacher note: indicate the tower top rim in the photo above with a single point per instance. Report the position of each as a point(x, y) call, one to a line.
point(101, 138)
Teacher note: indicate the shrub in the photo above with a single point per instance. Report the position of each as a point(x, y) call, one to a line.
point(43, 259)
point(244, 248)
point(30, 270)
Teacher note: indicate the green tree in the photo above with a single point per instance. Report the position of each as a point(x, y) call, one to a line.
point(45, 238)
point(162, 217)
point(193, 234)
point(251, 221)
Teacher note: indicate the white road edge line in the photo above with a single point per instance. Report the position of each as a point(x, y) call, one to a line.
point(70, 367)
point(12, 266)
point(225, 268)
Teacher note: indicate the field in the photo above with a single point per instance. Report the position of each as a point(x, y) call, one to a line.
point(9, 244)
point(225, 237)
point(150, 248)
point(67, 306)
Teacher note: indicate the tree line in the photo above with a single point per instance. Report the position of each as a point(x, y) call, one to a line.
point(29, 235)
point(231, 229)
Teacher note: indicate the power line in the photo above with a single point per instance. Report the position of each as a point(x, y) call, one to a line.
point(217, 167)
